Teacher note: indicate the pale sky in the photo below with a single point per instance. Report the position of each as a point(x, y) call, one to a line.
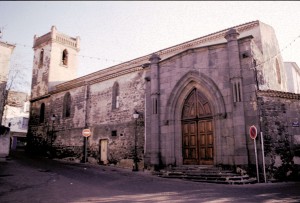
point(115, 32)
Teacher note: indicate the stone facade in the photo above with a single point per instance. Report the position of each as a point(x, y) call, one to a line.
point(280, 126)
point(196, 102)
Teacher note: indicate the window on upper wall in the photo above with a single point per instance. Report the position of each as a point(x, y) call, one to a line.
point(67, 105)
point(278, 72)
point(237, 92)
point(115, 96)
point(41, 59)
point(24, 123)
point(42, 113)
point(65, 57)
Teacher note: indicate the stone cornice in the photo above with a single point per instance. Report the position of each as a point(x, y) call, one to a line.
point(42, 39)
point(210, 37)
point(66, 40)
point(89, 81)
point(211, 46)
point(39, 98)
point(278, 94)
point(58, 38)
point(7, 45)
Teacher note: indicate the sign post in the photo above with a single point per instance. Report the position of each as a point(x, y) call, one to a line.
point(253, 135)
point(263, 155)
point(85, 133)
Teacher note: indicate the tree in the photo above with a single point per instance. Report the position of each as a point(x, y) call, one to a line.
point(16, 80)
point(14, 73)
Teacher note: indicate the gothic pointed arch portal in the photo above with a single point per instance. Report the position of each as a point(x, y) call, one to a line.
point(197, 130)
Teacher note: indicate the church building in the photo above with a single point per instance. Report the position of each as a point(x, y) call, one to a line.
point(189, 104)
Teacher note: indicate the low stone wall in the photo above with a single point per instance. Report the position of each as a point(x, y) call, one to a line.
point(280, 126)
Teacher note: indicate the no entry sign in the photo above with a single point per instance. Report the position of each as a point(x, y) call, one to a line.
point(86, 132)
point(253, 132)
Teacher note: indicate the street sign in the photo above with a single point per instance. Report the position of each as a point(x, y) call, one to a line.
point(253, 132)
point(86, 132)
point(295, 124)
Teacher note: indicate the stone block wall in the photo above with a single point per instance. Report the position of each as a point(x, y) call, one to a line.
point(91, 106)
point(117, 125)
point(212, 63)
point(280, 126)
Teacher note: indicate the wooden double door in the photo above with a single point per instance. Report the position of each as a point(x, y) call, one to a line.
point(197, 130)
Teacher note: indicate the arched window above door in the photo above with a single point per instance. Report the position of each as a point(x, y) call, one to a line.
point(196, 106)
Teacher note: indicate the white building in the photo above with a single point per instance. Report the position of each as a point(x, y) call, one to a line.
point(15, 116)
point(5, 55)
point(293, 77)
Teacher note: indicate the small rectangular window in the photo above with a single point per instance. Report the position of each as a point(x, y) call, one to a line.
point(114, 133)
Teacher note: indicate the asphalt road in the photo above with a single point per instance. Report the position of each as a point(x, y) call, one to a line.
point(32, 180)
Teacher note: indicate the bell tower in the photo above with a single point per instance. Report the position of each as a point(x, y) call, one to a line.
point(55, 61)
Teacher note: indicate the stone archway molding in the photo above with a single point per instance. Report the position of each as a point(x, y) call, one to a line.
point(173, 111)
point(206, 85)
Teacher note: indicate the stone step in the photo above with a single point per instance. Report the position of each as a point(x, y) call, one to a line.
point(236, 182)
point(201, 172)
point(214, 179)
point(205, 174)
point(208, 174)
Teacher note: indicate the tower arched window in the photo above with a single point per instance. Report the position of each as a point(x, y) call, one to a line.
point(65, 57)
point(41, 59)
point(67, 105)
point(42, 113)
point(115, 96)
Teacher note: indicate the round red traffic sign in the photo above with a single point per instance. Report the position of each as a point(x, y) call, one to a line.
point(253, 132)
point(86, 132)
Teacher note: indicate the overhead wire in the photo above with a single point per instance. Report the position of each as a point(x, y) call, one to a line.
point(83, 56)
point(278, 53)
point(119, 61)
